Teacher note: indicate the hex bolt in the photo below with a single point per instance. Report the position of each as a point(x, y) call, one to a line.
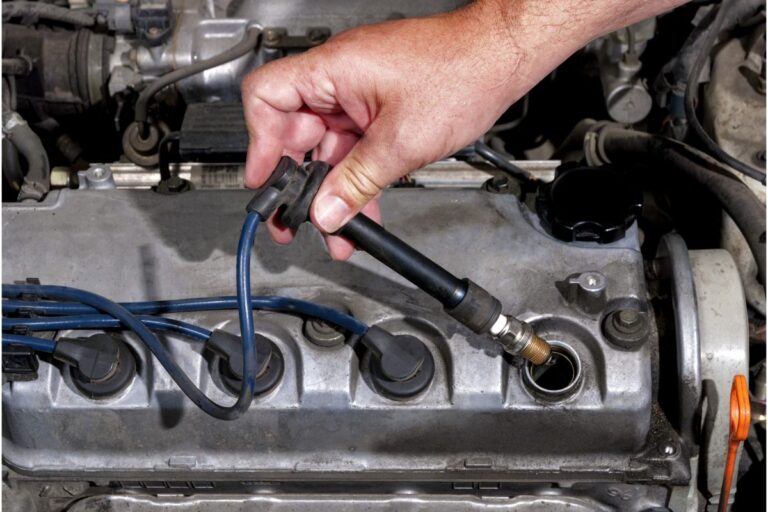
point(502, 185)
point(271, 36)
point(627, 318)
point(316, 36)
point(322, 334)
point(627, 328)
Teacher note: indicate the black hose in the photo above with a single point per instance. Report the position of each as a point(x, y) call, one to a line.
point(164, 157)
point(498, 160)
point(245, 46)
point(690, 92)
point(736, 199)
point(37, 180)
point(48, 12)
point(405, 260)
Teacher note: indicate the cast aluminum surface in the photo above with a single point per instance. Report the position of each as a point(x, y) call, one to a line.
point(201, 32)
point(609, 500)
point(724, 333)
point(475, 421)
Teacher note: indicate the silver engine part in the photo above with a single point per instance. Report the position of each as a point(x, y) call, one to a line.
point(633, 417)
point(595, 440)
point(313, 422)
point(202, 30)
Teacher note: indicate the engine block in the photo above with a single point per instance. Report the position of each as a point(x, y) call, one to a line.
point(478, 420)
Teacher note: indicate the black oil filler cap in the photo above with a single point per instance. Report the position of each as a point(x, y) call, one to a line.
point(589, 204)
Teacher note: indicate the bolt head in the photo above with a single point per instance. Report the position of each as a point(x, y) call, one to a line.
point(271, 36)
point(316, 36)
point(628, 317)
point(323, 334)
point(592, 281)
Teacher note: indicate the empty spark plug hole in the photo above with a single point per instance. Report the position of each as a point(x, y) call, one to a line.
point(559, 377)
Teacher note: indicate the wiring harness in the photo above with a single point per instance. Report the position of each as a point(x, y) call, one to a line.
point(59, 307)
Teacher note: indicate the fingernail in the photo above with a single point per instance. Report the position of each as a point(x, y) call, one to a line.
point(331, 212)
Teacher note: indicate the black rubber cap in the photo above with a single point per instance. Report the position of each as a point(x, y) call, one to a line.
point(265, 382)
point(103, 365)
point(227, 362)
point(589, 204)
point(230, 348)
point(399, 367)
point(291, 188)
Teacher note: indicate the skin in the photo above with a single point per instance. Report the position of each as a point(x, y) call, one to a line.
point(382, 100)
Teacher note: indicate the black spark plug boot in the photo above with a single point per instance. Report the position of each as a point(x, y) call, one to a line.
point(290, 188)
point(399, 367)
point(228, 361)
point(101, 365)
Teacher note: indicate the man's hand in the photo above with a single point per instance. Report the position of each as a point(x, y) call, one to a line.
point(382, 100)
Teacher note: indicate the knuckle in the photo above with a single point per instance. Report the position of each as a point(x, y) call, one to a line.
point(362, 180)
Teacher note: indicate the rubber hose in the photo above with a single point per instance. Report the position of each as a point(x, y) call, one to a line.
point(49, 12)
point(37, 180)
point(248, 43)
point(736, 199)
point(498, 160)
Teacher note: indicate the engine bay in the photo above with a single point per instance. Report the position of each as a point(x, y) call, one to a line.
point(608, 230)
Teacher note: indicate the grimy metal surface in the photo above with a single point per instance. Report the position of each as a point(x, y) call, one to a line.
point(199, 35)
point(609, 500)
point(475, 421)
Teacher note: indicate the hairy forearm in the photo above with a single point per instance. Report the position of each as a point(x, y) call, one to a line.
point(532, 37)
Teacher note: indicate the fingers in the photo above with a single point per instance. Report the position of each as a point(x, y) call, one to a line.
point(278, 122)
point(292, 134)
point(367, 169)
point(335, 146)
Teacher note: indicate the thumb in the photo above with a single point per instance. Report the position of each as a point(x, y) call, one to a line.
point(357, 179)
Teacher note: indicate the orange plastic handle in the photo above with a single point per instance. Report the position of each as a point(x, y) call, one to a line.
point(740, 419)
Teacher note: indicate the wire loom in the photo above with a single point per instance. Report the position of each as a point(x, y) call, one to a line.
point(72, 308)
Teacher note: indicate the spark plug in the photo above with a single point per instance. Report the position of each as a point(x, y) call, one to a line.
point(291, 188)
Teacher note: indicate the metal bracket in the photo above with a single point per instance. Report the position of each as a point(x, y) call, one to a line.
point(278, 39)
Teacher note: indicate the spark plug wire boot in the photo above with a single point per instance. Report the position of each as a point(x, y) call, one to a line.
point(101, 365)
point(227, 350)
point(399, 367)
